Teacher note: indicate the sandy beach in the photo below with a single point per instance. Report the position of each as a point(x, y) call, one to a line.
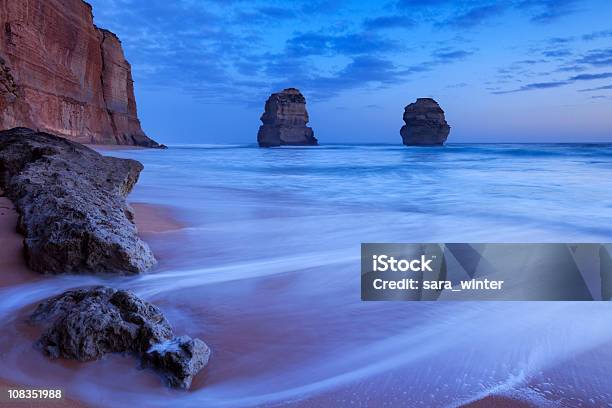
point(12, 263)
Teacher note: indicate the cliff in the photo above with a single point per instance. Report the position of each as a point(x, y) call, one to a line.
point(59, 73)
point(425, 124)
point(284, 121)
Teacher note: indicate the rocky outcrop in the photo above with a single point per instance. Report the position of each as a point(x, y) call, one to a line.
point(71, 204)
point(178, 359)
point(425, 124)
point(61, 74)
point(284, 121)
point(86, 324)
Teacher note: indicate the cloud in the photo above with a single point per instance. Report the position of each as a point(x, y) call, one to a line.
point(557, 84)
point(597, 34)
point(218, 49)
point(419, 4)
point(445, 55)
point(311, 43)
point(533, 86)
point(277, 12)
point(600, 57)
point(560, 40)
point(588, 77)
point(557, 53)
point(263, 15)
point(473, 17)
point(547, 11)
point(599, 88)
point(388, 22)
point(361, 72)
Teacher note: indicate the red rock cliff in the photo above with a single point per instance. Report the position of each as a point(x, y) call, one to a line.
point(61, 74)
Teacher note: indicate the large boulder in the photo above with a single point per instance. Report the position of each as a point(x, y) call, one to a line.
point(284, 121)
point(71, 204)
point(86, 324)
point(425, 124)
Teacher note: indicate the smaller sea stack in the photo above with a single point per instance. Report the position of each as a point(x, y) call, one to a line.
point(284, 121)
point(425, 124)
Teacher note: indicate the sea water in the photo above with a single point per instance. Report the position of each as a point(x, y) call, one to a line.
point(266, 270)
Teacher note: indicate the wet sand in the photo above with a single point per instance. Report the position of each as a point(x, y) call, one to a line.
point(153, 219)
point(12, 263)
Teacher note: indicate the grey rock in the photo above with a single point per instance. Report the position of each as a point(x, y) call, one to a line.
point(425, 124)
point(178, 359)
point(71, 205)
point(284, 121)
point(86, 324)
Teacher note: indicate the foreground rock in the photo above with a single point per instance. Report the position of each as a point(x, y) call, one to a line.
point(178, 359)
point(71, 204)
point(86, 324)
point(62, 74)
point(425, 124)
point(284, 121)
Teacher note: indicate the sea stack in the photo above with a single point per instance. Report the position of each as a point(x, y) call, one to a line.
point(61, 74)
point(425, 124)
point(284, 121)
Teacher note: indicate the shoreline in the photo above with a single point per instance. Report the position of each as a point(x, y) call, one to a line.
point(150, 220)
point(105, 147)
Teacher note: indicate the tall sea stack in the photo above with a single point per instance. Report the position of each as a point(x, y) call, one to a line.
point(61, 74)
point(284, 121)
point(425, 124)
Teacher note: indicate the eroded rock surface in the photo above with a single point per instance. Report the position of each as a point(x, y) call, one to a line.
point(62, 74)
point(71, 204)
point(425, 124)
point(178, 359)
point(284, 121)
point(86, 324)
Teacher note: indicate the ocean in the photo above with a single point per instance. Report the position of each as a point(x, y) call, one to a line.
point(266, 271)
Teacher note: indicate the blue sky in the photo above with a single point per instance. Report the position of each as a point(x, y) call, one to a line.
point(522, 70)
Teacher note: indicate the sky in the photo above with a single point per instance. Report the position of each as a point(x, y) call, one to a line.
point(503, 71)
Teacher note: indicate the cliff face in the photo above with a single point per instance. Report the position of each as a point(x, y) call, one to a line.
point(425, 124)
point(61, 74)
point(284, 121)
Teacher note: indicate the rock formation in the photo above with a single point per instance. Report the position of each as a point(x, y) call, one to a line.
point(86, 324)
point(425, 124)
point(71, 204)
point(284, 121)
point(178, 359)
point(61, 74)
